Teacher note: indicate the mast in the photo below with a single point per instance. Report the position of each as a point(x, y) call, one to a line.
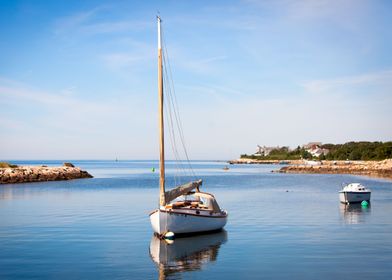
point(162, 200)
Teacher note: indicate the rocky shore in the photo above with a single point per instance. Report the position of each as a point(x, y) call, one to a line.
point(368, 168)
point(261, 161)
point(26, 174)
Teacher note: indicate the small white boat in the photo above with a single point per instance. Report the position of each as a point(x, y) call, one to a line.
point(354, 193)
point(184, 209)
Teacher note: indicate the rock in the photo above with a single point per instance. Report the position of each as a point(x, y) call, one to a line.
point(40, 174)
point(368, 168)
point(68, 164)
point(263, 161)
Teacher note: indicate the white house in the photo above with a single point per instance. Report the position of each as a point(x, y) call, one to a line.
point(314, 148)
point(264, 151)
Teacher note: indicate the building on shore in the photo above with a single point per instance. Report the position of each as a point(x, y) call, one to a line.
point(312, 145)
point(264, 151)
point(315, 149)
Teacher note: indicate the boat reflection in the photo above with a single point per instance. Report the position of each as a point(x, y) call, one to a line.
point(185, 253)
point(354, 213)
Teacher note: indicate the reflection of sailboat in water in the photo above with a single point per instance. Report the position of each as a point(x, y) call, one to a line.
point(354, 213)
point(186, 253)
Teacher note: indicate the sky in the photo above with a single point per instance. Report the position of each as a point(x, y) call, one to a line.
point(78, 79)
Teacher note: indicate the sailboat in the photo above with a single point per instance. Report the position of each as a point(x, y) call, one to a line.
point(184, 209)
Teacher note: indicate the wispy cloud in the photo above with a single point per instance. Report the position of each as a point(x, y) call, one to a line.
point(69, 23)
point(65, 124)
point(351, 83)
point(64, 105)
point(90, 23)
point(10, 124)
point(137, 55)
point(202, 65)
point(311, 9)
point(122, 60)
point(211, 92)
point(16, 93)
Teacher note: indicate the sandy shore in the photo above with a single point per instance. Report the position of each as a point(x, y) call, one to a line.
point(25, 174)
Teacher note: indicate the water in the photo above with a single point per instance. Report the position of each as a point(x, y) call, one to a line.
point(281, 226)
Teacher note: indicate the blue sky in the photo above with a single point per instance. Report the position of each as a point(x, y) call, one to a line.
point(78, 78)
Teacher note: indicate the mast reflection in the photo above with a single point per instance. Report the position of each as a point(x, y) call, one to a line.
point(185, 253)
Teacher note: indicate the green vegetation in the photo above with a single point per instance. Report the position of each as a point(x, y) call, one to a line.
point(348, 151)
point(359, 151)
point(7, 165)
point(282, 153)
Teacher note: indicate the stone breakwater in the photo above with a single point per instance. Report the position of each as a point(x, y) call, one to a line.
point(25, 174)
point(368, 168)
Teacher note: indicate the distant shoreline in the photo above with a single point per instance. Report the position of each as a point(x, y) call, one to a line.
point(28, 174)
point(381, 168)
point(264, 161)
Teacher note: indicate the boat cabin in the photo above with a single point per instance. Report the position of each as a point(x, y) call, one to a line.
point(195, 200)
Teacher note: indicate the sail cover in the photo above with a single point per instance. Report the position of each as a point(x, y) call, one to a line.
point(181, 190)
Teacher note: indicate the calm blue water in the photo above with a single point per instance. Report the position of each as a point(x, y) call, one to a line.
point(281, 226)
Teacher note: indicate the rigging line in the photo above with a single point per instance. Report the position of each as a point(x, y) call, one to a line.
point(175, 152)
point(172, 134)
point(169, 106)
point(170, 111)
point(176, 112)
point(169, 119)
point(181, 136)
point(179, 126)
point(171, 103)
point(171, 142)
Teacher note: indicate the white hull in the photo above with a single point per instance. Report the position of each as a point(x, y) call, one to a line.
point(186, 221)
point(353, 197)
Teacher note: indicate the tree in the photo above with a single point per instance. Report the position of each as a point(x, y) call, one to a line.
point(306, 155)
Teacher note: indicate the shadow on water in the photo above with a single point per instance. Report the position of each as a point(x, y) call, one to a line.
point(189, 253)
point(354, 213)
